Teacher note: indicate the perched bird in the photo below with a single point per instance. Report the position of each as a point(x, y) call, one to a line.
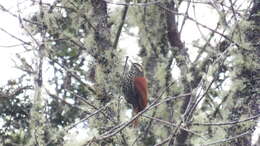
point(135, 89)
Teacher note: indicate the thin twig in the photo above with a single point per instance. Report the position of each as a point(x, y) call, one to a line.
point(16, 92)
point(186, 14)
point(24, 42)
point(163, 142)
point(227, 123)
point(126, 59)
point(64, 101)
point(229, 139)
point(91, 89)
point(89, 116)
point(193, 107)
point(16, 16)
point(203, 25)
point(11, 46)
point(120, 27)
point(90, 104)
point(173, 124)
point(133, 4)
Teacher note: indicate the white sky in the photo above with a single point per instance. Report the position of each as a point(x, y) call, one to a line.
point(204, 14)
point(11, 25)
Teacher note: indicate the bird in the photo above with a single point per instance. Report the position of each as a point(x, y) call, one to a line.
point(135, 89)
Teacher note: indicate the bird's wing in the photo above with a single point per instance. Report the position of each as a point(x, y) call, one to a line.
point(140, 85)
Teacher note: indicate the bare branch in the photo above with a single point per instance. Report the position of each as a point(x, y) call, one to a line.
point(229, 139)
point(118, 33)
point(16, 92)
point(173, 124)
point(227, 123)
point(13, 36)
point(133, 4)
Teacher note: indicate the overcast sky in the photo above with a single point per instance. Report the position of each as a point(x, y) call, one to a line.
point(11, 25)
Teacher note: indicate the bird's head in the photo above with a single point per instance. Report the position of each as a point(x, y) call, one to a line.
point(137, 69)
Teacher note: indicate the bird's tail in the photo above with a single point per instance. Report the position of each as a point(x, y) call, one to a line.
point(136, 122)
